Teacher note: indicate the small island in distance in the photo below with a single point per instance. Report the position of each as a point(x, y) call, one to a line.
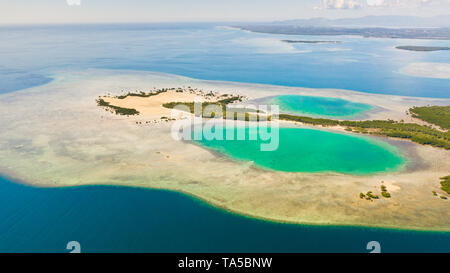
point(423, 48)
point(310, 42)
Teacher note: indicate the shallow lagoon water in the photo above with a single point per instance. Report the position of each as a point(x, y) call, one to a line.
point(309, 150)
point(320, 106)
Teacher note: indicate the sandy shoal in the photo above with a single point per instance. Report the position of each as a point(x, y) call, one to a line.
point(428, 70)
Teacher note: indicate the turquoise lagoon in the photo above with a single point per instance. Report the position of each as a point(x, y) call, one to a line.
point(320, 106)
point(309, 150)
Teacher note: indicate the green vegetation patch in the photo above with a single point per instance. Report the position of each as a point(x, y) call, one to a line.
point(143, 94)
point(438, 115)
point(230, 100)
point(371, 195)
point(445, 184)
point(384, 192)
point(417, 133)
point(118, 110)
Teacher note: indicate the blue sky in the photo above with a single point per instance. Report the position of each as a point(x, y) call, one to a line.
point(59, 11)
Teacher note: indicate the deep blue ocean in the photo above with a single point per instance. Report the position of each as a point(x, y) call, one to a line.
point(121, 219)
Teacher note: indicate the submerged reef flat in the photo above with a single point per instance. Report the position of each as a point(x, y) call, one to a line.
point(427, 70)
point(310, 42)
point(56, 135)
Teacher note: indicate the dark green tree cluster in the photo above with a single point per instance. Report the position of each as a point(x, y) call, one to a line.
point(438, 115)
point(445, 184)
point(144, 94)
point(368, 196)
point(116, 109)
point(384, 192)
point(417, 133)
point(230, 100)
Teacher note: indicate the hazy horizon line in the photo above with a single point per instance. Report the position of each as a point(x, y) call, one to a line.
point(208, 21)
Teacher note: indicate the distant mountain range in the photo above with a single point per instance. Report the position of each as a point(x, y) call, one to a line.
point(372, 21)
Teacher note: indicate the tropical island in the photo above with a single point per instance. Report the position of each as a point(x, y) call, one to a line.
point(423, 48)
point(124, 138)
point(423, 134)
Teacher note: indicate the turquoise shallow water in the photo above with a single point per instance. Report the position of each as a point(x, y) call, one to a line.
point(308, 150)
point(320, 106)
point(122, 219)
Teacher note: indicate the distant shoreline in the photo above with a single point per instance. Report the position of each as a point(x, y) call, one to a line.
point(423, 48)
point(367, 32)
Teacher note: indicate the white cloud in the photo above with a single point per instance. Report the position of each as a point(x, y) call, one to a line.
point(402, 3)
point(394, 4)
point(73, 2)
point(341, 4)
